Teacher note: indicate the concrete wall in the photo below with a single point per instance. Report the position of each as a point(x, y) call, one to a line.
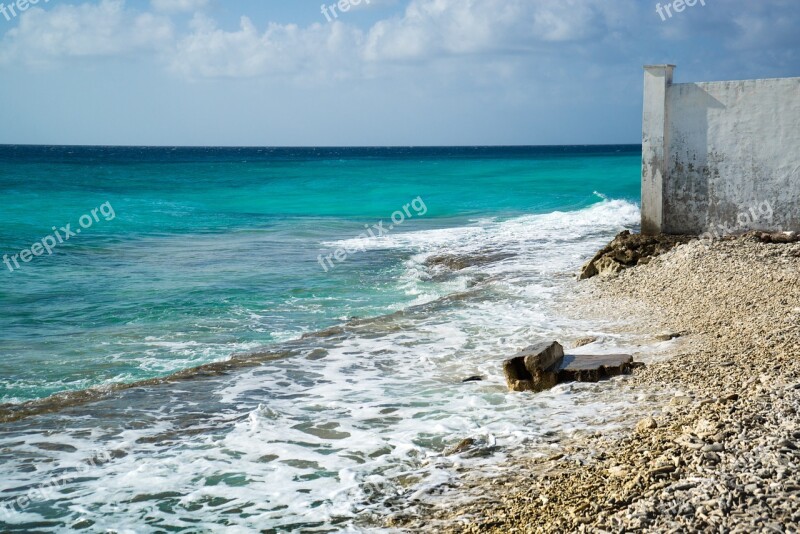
point(721, 157)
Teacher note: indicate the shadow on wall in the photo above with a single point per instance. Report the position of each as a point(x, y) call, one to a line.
point(690, 201)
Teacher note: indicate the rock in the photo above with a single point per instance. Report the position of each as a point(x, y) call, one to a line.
point(661, 470)
point(475, 378)
point(645, 425)
point(618, 471)
point(704, 428)
point(541, 367)
point(535, 368)
point(630, 250)
point(589, 270)
point(607, 266)
point(461, 262)
point(582, 342)
point(463, 446)
point(774, 237)
point(668, 336)
point(587, 368)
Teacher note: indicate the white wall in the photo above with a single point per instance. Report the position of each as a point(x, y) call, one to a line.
point(733, 150)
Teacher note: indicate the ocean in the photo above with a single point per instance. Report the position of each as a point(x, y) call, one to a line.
point(275, 339)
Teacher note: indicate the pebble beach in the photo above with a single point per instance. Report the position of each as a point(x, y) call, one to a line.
point(719, 451)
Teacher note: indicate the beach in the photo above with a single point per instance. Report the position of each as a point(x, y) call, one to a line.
point(719, 451)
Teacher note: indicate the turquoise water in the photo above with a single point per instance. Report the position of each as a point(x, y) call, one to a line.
point(189, 256)
point(216, 251)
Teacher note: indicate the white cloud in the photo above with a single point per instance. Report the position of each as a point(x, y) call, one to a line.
point(86, 30)
point(319, 50)
point(456, 27)
point(504, 34)
point(177, 6)
point(426, 30)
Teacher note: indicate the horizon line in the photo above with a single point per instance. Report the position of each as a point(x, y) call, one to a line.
point(314, 146)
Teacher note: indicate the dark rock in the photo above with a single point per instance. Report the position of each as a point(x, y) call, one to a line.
point(473, 379)
point(535, 368)
point(629, 250)
point(594, 368)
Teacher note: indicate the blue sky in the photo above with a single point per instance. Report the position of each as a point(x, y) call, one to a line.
point(391, 72)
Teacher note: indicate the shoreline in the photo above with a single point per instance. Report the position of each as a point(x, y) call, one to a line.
point(721, 447)
point(13, 412)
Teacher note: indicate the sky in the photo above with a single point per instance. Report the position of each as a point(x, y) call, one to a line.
point(380, 73)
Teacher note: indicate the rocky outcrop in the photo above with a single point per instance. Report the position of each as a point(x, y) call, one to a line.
point(629, 250)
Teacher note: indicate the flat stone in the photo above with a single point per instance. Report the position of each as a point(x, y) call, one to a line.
point(586, 368)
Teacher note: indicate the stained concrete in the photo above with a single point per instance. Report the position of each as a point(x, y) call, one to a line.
point(720, 157)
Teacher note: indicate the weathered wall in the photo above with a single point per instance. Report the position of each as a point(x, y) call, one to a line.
point(732, 155)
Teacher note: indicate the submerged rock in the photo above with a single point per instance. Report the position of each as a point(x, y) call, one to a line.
point(460, 262)
point(629, 250)
point(463, 446)
point(475, 378)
